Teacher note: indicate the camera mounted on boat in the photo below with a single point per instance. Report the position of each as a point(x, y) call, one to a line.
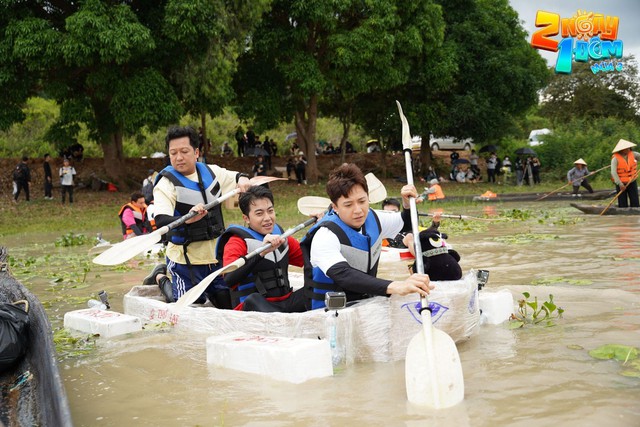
point(483, 278)
point(335, 300)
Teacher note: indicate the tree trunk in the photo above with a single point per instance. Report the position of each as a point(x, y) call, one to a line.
point(425, 155)
point(346, 128)
point(205, 145)
point(114, 160)
point(306, 119)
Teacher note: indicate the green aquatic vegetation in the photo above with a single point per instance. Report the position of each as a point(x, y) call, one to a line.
point(534, 313)
point(71, 239)
point(518, 214)
point(625, 354)
point(455, 227)
point(70, 346)
point(568, 220)
point(555, 280)
point(522, 238)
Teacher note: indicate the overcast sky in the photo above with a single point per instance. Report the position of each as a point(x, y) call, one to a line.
point(627, 10)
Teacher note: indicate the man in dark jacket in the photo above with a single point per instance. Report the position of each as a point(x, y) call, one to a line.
point(21, 179)
point(48, 178)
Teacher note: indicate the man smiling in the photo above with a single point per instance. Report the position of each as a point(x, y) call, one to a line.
point(262, 284)
point(342, 251)
point(183, 187)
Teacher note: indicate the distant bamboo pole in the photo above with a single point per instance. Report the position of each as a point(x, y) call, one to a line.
point(571, 182)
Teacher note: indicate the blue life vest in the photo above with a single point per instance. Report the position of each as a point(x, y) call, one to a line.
point(269, 277)
point(189, 194)
point(361, 250)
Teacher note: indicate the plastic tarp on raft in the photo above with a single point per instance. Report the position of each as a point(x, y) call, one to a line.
point(377, 329)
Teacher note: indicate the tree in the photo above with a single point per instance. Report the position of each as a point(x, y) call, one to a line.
point(306, 52)
point(485, 74)
point(120, 66)
point(583, 94)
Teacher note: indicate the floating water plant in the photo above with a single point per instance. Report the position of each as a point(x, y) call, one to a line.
point(534, 313)
point(69, 346)
point(71, 239)
point(521, 238)
point(555, 280)
point(628, 355)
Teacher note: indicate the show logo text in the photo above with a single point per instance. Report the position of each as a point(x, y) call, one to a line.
point(586, 36)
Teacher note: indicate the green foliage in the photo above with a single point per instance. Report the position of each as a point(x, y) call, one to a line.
point(524, 238)
point(555, 280)
point(584, 95)
point(69, 346)
point(535, 313)
point(71, 239)
point(591, 139)
point(628, 355)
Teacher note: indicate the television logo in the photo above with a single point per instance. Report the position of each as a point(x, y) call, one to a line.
point(585, 36)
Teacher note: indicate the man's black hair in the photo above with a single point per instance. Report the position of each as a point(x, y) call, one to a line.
point(176, 132)
point(253, 193)
point(391, 201)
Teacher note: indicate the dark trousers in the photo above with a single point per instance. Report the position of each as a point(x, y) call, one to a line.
point(585, 184)
point(48, 187)
point(22, 185)
point(67, 189)
point(491, 175)
point(301, 174)
point(629, 197)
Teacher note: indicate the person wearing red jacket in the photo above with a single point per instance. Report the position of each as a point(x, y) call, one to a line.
point(262, 284)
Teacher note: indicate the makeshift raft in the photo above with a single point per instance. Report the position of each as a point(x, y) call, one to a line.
point(377, 329)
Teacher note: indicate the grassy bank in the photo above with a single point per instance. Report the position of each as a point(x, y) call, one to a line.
point(95, 212)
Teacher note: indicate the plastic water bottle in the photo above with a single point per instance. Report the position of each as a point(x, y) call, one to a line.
point(338, 349)
point(94, 303)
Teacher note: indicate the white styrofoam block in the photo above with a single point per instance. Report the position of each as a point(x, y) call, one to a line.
point(294, 360)
point(496, 306)
point(107, 323)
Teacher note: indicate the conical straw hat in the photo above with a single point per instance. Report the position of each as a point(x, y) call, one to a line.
point(580, 162)
point(622, 144)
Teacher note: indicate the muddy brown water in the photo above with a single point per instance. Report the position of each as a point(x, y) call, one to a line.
point(536, 375)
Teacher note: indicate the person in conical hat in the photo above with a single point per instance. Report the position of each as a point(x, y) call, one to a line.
point(577, 176)
point(624, 173)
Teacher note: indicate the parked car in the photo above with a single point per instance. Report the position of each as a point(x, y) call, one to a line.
point(446, 143)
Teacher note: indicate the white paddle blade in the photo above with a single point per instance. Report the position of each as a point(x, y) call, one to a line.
point(377, 190)
point(310, 205)
point(127, 249)
point(438, 385)
point(194, 293)
point(263, 179)
point(406, 133)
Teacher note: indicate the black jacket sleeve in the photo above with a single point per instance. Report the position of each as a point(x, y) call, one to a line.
point(352, 280)
point(162, 220)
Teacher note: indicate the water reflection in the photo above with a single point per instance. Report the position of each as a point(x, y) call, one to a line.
point(540, 375)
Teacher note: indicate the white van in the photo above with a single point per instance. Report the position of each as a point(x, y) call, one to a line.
point(537, 135)
point(446, 143)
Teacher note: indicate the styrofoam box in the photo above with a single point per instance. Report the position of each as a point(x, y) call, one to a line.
point(496, 306)
point(293, 360)
point(104, 322)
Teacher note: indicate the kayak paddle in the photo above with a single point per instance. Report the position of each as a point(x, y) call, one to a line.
point(433, 371)
point(194, 293)
point(309, 205)
point(127, 249)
